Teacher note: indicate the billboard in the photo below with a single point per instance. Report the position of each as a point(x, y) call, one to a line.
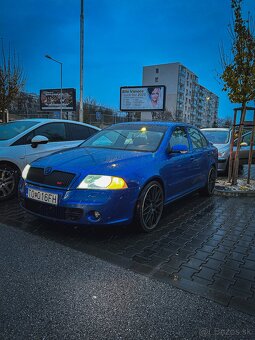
point(51, 99)
point(142, 98)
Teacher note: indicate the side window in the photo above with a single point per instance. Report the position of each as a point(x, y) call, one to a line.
point(179, 136)
point(78, 132)
point(196, 138)
point(247, 138)
point(25, 139)
point(204, 141)
point(55, 132)
point(92, 131)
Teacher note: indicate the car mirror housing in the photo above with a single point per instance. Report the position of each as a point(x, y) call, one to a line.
point(243, 144)
point(179, 148)
point(39, 140)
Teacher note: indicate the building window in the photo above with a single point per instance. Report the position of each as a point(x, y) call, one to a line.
point(156, 79)
point(157, 70)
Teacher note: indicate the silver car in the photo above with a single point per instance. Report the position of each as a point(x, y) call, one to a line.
point(23, 141)
point(221, 138)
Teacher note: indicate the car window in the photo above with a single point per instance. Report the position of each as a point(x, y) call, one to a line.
point(78, 132)
point(55, 132)
point(107, 139)
point(217, 136)
point(247, 138)
point(13, 129)
point(197, 139)
point(179, 136)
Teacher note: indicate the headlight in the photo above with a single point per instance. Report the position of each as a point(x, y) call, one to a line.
point(25, 171)
point(102, 182)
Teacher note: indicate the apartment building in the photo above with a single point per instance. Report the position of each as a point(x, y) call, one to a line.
point(186, 99)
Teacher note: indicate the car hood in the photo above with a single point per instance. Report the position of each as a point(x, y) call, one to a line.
point(4, 143)
point(85, 160)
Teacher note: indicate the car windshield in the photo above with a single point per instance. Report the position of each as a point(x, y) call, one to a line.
point(13, 129)
point(217, 137)
point(129, 137)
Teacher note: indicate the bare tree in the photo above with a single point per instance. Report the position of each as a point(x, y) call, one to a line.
point(239, 74)
point(11, 81)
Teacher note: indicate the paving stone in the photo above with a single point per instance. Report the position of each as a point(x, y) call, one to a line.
point(201, 255)
point(246, 274)
point(227, 273)
point(214, 264)
point(194, 263)
point(221, 284)
point(248, 264)
point(236, 256)
point(243, 285)
point(232, 264)
point(207, 273)
point(218, 256)
point(186, 272)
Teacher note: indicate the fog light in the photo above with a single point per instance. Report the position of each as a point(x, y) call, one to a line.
point(94, 216)
point(97, 215)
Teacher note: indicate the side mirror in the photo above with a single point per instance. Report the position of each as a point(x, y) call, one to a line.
point(243, 144)
point(179, 148)
point(38, 140)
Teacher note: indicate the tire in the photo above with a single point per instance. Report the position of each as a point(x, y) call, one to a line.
point(9, 180)
point(150, 206)
point(210, 183)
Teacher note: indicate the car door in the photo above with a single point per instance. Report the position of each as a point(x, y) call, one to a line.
point(245, 150)
point(176, 171)
point(55, 132)
point(200, 157)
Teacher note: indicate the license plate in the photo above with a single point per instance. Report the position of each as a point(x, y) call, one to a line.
point(42, 196)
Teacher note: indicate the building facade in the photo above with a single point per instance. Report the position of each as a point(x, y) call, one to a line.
point(186, 99)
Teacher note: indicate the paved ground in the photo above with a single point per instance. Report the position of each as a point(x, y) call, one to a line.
point(51, 291)
point(204, 246)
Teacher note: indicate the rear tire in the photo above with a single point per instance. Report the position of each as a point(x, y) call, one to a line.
point(210, 184)
point(150, 206)
point(9, 180)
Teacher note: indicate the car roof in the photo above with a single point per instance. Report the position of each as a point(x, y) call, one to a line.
point(168, 124)
point(215, 129)
point(48, 120)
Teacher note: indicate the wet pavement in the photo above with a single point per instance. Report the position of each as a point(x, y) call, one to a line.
point(205, 246)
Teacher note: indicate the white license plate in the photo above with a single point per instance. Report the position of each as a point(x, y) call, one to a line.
point(42, 196)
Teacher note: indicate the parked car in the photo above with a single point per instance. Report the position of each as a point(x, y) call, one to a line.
point(23, 141)
point(123, 173)
point(221, 139)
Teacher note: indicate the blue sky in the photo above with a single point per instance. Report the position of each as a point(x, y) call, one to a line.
point(121, 36)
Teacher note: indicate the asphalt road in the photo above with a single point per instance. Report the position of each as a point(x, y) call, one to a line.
point(52, 291)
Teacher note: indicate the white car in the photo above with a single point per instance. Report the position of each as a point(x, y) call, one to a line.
point(23, 141)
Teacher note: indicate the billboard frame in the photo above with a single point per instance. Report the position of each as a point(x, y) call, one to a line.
point(58, 108)
point(144, 110)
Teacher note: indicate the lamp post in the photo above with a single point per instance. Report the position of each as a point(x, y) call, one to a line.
point(59, 62)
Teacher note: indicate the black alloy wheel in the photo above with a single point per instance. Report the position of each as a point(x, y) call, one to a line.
point(150, 206)
point(9, 179)
point(210, 185)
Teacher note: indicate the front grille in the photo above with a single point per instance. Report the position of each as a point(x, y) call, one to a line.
point(56, 178)
point(47, 210)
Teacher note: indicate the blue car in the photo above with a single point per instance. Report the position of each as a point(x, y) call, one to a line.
point(125, 173)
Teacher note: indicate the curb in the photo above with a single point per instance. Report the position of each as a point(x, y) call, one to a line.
point(223, 192)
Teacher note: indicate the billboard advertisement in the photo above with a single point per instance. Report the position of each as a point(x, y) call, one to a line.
point(51, 99)
point(142, 98)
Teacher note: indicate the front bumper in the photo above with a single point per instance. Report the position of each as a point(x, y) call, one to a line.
point(79, 206)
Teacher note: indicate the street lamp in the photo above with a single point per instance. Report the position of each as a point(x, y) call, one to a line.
point(59, 62)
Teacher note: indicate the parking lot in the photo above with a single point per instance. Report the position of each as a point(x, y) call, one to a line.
point(203, 246)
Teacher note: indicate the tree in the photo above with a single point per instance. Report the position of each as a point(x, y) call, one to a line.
point(239, 73)
point(11, 81)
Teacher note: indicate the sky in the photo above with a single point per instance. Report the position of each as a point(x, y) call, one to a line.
point(120, 37)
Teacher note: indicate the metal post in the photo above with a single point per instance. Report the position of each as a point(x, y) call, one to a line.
point(81, 61)
point(61, 76)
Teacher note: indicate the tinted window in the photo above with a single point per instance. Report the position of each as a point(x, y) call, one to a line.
point(179, 136)
point(197, 138)
point(55, 132)
point(78, 132)
point(13, 129)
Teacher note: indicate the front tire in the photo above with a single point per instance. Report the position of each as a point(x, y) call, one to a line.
point(9, 179)
point(210, 184)
point(150, 206)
